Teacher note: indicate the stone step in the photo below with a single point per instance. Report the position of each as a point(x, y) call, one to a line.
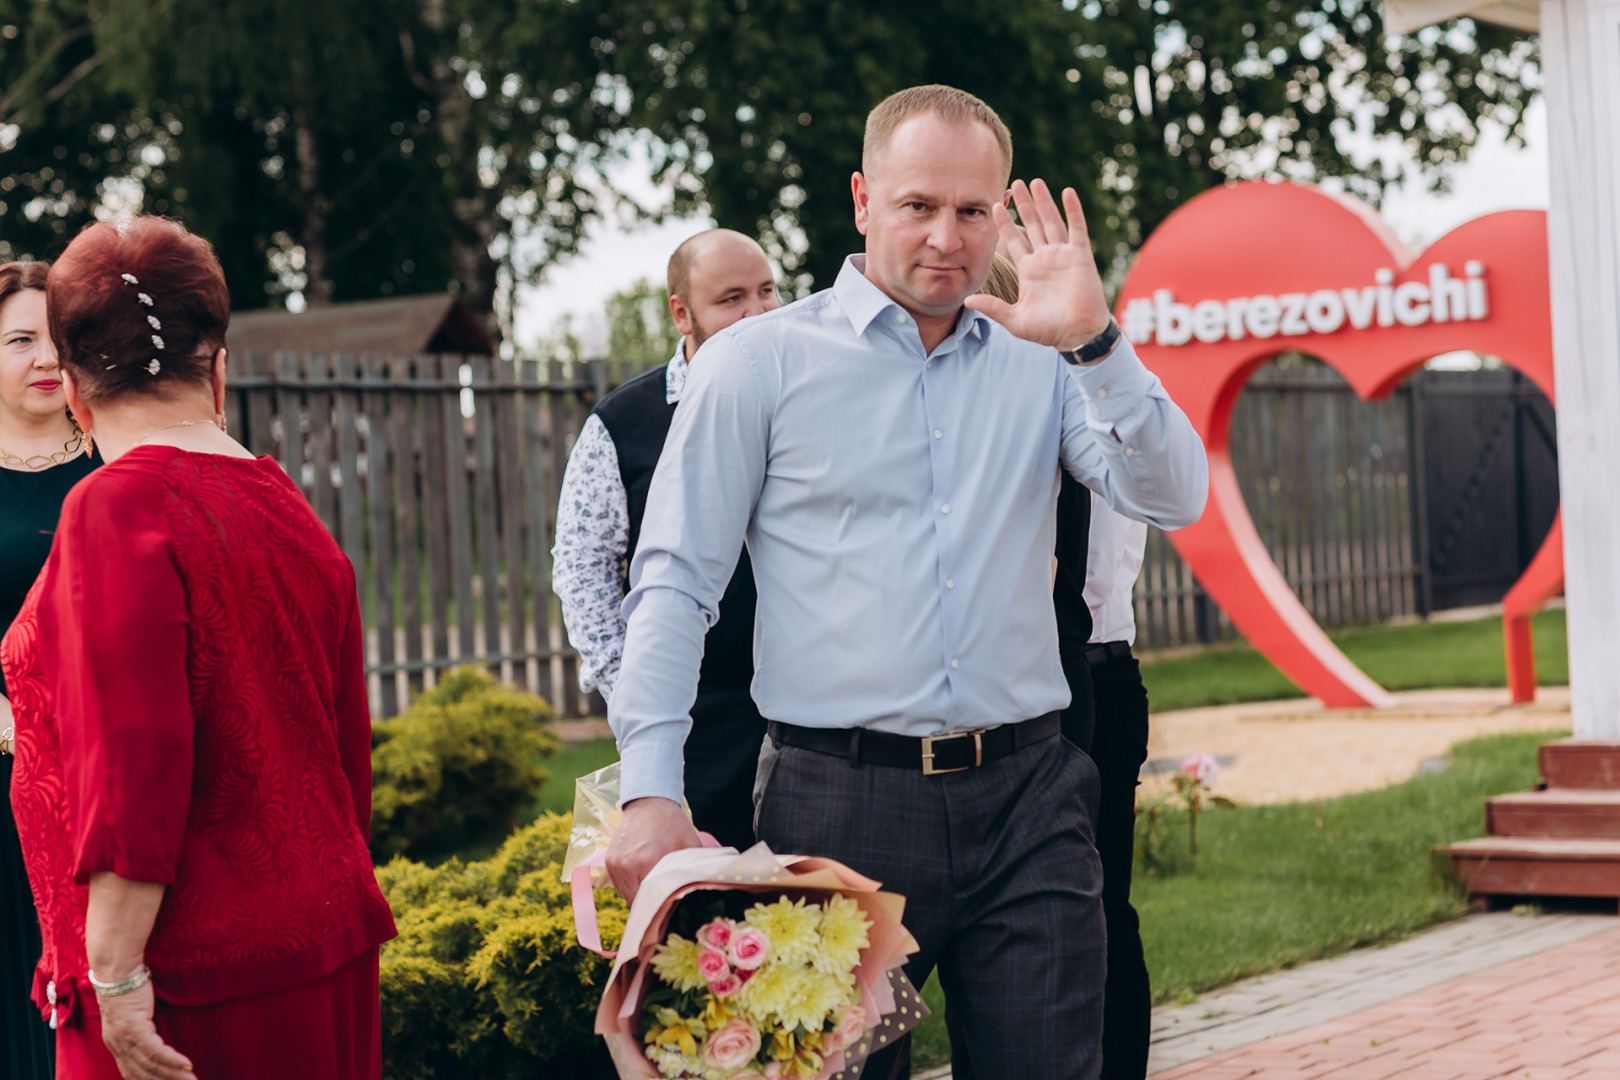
point(1570, 813)
point(1581, 763)
point(1524, 866)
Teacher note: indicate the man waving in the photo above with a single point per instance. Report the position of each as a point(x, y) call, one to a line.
point(888, 449)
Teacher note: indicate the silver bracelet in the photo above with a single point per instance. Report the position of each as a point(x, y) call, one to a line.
point(134, 982)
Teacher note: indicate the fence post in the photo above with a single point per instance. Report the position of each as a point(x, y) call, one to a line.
point(1418, 492)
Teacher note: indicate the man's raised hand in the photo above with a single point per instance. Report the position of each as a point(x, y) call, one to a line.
point(1060, 293)
point(650, 829)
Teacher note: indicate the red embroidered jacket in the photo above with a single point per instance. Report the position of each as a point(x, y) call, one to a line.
point(189, 688)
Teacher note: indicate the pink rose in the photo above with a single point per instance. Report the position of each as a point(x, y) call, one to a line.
point(717, 934)
point(749, 948)
point(732, 1046)
point(725, 986)
point(1203, 768)
point(712, 965)
point(849, 1029)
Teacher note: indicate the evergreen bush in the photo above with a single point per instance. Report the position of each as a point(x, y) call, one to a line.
point(457, 766)
point(485, 978)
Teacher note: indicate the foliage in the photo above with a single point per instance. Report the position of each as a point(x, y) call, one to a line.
point(338, 149)
point(485, 978)
point(344, 149)
point(1190, 787)
point(1139, 105)
point(640, 326)
point(457, 765)
point(68, 142)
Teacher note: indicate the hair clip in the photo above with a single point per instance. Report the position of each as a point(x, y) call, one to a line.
point(130, 278)
point(144, 298)
point(153, 320)
point(154, 367)
point(157, 341)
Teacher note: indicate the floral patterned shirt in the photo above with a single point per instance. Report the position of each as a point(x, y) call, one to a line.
point(593, 540)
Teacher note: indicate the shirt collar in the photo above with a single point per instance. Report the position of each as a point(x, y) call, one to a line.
point(863, 302)
point(675, 375)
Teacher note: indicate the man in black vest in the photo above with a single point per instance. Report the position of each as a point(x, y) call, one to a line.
point(715, 279)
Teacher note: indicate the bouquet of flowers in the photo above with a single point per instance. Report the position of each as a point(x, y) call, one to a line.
point(755, 966)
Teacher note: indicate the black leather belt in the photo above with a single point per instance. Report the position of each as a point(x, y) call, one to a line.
point(934, 754)
point(1101, 652)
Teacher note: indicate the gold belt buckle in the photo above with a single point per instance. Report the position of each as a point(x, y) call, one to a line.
point(928, 752)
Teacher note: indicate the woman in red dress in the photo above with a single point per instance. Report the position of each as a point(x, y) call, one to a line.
point(193, 775)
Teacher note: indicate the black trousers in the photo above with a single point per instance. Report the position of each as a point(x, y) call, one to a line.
point(1002, 891)
point(722, 753)
point(1119, 741)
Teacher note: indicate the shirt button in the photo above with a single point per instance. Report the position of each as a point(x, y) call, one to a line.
point(938, 434)
point(945, 509)
point(955, 663)
point(950, 583)
point(1100, 395)
point(900, 318)
point(1129, 451)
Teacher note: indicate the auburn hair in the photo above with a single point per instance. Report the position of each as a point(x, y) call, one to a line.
point(125, 294)
point(17, 276)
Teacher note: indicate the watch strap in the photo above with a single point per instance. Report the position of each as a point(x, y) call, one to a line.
point(1095, 349)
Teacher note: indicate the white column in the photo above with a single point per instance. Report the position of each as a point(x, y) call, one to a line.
point(1580, 53)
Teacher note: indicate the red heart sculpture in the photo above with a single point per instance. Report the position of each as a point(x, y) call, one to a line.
point(1244, 272)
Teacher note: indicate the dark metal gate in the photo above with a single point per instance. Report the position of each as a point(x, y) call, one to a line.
point(1490, 470)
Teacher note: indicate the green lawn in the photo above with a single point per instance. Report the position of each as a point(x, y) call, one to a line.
point(1273, 888)
point(1413, 657)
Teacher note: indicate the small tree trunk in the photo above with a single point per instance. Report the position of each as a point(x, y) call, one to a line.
point(472, 230)
point(312, 203)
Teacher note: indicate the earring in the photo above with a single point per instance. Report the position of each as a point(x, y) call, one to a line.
point(220, 422)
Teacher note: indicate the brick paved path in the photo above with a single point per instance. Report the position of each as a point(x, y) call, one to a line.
point(1551, 1016)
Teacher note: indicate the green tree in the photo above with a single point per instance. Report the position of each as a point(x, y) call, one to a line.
point(1139, 104)
point(67, 144)
point(639, 324)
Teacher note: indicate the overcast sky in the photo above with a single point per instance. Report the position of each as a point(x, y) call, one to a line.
point(1496, 177)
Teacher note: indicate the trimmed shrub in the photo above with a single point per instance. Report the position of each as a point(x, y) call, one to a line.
point(485, 978)
point(457, 766)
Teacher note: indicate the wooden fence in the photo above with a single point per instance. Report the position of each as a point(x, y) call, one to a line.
point(439, 477)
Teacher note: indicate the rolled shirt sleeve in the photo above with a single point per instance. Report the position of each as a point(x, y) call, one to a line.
point(114, 632)
point(698, 510)
point(1124, 438)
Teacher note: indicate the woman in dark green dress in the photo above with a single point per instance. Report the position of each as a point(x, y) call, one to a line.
point(42, 455)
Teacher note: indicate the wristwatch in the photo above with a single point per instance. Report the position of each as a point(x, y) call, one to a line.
point(1095, 349)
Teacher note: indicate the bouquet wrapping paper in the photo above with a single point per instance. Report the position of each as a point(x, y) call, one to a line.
point(891, 1005)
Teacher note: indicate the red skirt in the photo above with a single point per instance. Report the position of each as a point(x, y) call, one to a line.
point(330, 1029)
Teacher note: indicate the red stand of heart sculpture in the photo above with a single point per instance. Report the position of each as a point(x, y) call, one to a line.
point(1243, 273)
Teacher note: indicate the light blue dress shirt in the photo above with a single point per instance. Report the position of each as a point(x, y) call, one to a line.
point(899, 508)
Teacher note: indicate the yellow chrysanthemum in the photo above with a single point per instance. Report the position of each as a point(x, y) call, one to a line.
point(791, 926)
point(676, 962)
point(843, 936)
point(785, 996)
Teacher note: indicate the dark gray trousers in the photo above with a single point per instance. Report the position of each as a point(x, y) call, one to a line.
point(1002, 886)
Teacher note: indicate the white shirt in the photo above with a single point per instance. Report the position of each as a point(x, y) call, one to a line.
point(1114, 553)
point(593, 538)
